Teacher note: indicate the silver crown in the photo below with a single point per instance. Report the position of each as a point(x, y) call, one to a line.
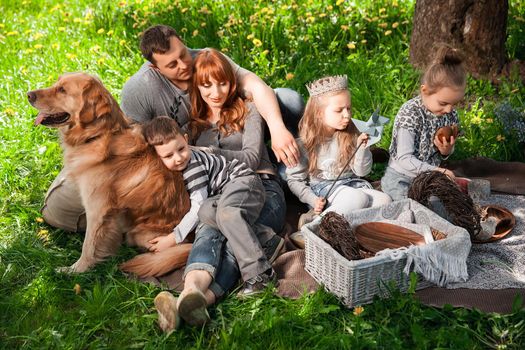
point(327, 84)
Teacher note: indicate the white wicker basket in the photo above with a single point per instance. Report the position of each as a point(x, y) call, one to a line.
point(356, 282)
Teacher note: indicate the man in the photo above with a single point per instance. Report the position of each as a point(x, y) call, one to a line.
point(160, 87)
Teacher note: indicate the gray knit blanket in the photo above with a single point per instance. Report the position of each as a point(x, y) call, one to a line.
point(500, 264)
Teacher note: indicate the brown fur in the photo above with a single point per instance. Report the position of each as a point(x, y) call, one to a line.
point(126, 190)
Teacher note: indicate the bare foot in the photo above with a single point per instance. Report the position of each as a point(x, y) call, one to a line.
point(192, 307)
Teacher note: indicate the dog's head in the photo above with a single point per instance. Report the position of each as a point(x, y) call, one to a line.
point(75, 99)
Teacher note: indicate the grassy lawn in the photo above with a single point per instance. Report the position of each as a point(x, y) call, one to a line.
point(287, 43)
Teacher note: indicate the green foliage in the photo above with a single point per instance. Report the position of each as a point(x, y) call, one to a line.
point(287, 43)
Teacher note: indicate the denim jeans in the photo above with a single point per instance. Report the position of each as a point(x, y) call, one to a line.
point(211, 253)
point(273, 213)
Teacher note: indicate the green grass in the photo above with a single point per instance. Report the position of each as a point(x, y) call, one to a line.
point(287, 44)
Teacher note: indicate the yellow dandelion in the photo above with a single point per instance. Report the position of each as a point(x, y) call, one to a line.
point(66, 20)
point(388, 32)
point(77, 289)
point(339, 2)
point(358, 310)
point(395, 4)
point(220, 33)
point(490, 120)
point(70, 56)
point(405, 22)
point(204, 10)
point(101, 60)
point(344, 27)
point(38, 46)
point(39, 220)
point(203, 24)
point(382, 9)
point(310, 19)
point(321, 15)
point(257, 42)
point(184, 10)
point(28, 51)
point(195, 32)
point(145, 8)
point(95, 48)
point(101, 31)
point(122, 3)
point(351, 45)
point(363, 41)
point(329, 7)
point(250, 37)
point(77, 20)
point(395, 25)
point(75, 44)
point(500, 138)
point(184, 30)
point(2, 25)
point(382, 25)
point(109, 33)
point(225, 49)
point(265, 52)
point(122, 42)
point(289, 76)
point(61, 29)
point(28, 31)
point(375, 19)
point(13, 33)
point(10, 111)
point(43, 235)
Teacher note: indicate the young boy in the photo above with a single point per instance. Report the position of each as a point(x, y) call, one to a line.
point(239, 197)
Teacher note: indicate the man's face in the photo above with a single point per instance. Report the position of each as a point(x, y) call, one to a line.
point(175, 154)
point(176, 64)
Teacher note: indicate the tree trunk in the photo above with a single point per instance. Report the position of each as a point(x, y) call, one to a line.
point(476, 27)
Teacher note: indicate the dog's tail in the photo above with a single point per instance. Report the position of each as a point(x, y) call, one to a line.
point(158, 264)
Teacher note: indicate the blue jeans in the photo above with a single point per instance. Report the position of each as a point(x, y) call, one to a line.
point(211, 253)
point(273, 213)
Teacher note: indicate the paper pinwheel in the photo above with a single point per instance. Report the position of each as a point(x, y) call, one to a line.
point(373, 127)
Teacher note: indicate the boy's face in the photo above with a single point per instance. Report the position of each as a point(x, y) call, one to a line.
point(175, 154)
point(443, 100)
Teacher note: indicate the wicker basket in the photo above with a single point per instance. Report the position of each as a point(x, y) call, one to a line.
point(356, 282)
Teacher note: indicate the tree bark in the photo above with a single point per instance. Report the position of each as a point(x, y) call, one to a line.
point(476, 27)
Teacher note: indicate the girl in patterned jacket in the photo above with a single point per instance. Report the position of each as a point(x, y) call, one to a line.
point(415, 148)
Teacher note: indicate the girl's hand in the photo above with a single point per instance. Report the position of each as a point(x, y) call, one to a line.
point(447, 172)
point(445, 147)
point(319, 205)
point(363, 138)
point(162, 243)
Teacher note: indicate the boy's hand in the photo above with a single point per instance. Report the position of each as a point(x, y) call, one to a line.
point(162, 243)
point(319, 205)
point(363, 138)
point(445, 147)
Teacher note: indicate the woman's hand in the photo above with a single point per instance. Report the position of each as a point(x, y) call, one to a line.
point(445, 147)
point(162, 243)
point(319, 205)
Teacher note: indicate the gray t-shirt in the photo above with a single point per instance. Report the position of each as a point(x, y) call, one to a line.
point(149, 94)
point(247, 145)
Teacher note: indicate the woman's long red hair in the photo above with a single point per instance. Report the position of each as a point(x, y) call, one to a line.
point(211, 64)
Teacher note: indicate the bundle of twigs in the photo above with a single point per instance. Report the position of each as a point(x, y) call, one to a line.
point(459, 206)
point(335, 230)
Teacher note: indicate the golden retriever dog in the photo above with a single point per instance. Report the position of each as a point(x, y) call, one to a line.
point(128, 194)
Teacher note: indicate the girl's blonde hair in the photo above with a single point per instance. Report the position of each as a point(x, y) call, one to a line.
point(314, 133)
point(446, 70)
point(208, 64)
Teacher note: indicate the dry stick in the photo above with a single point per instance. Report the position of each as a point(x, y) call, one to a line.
point(342, 170)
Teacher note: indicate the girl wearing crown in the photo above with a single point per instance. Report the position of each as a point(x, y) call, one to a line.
point(327, 140)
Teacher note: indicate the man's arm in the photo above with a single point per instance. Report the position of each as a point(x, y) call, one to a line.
point(283, 142)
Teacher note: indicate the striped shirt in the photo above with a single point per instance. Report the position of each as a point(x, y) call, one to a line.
point(205, 176)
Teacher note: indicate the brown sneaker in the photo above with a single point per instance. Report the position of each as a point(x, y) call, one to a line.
point(193, 308)
point(166, 305)
point(258, 284)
